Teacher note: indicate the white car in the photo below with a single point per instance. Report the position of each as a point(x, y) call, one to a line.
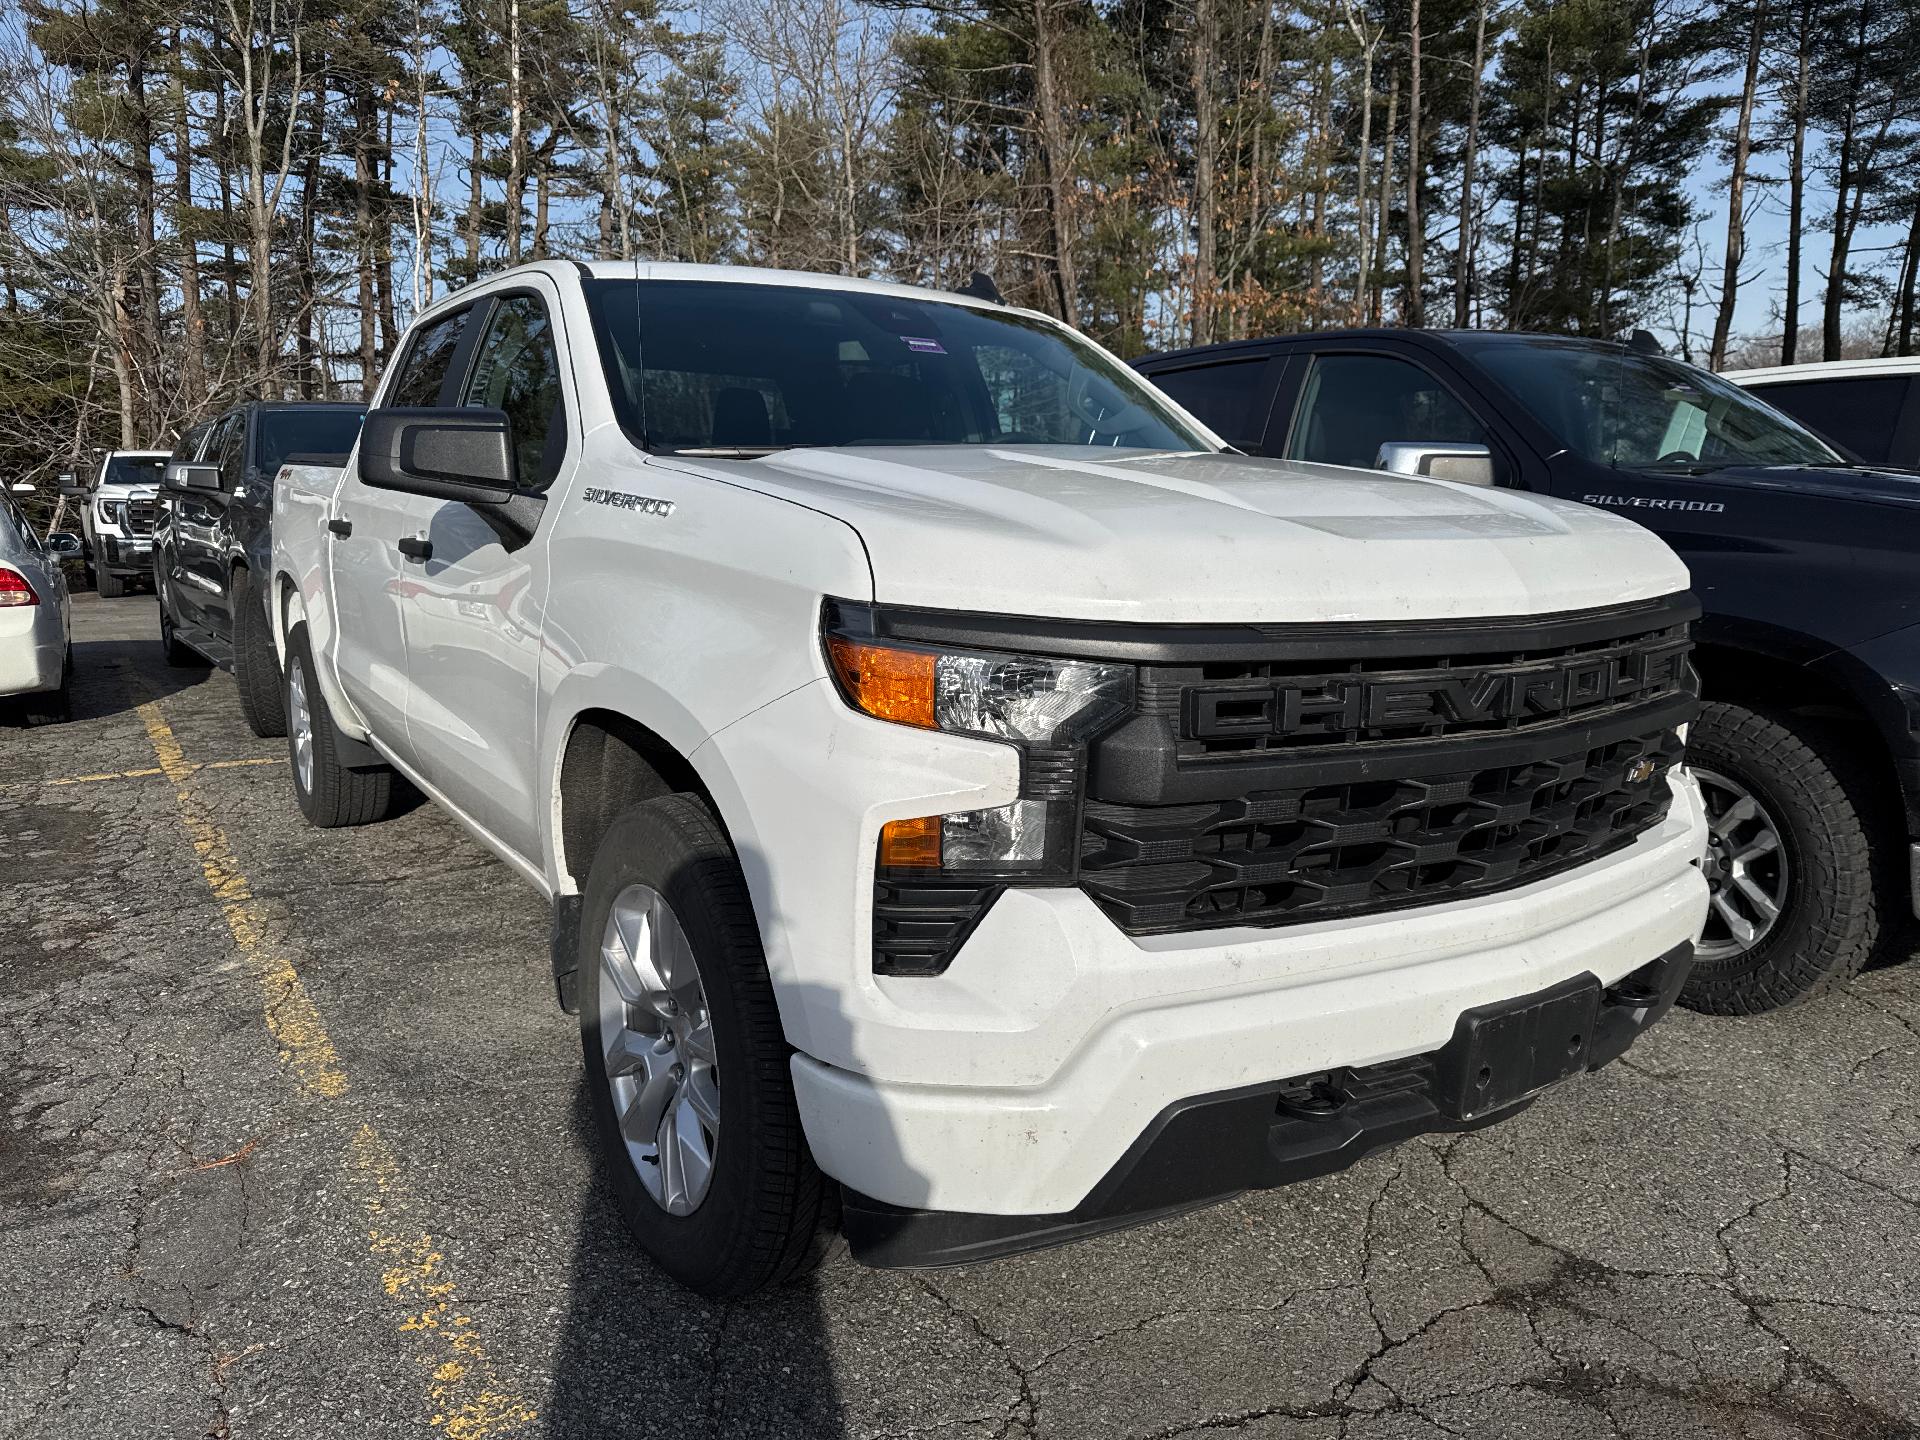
point(36, 654)
point(1870, 408)
point(957, 774)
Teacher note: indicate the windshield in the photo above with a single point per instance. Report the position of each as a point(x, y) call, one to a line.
point(322, 435)
point(704, 365)
point(133, 470)
point(1617, 408)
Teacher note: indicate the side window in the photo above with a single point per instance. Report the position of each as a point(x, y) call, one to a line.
point(1351, 405)
point(1231, 398)
point(1858, 415)
point(424, 370)
point(517, 369)
point(229, 449)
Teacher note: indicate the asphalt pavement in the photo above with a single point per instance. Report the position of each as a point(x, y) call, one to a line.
point(291, 1143)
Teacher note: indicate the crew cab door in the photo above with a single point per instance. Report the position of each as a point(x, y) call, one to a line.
point(475, 608)
point(371, 576)
point(193, 555)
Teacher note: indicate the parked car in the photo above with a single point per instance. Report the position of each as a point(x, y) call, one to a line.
point(36, 650)
point(1869, 409)
point(1808, 748)
point(212, 543)
point(954, 771)
point(117, 516)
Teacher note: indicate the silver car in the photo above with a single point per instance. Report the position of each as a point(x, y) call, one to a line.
point(36, 654)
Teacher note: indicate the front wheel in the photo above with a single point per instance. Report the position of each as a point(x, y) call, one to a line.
point(108, 585)
point(256, 668)
point(1798, 893)
point(329, 794)
point(687, 1063)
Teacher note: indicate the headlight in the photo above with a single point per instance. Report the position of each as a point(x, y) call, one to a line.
point(1047, 707)
point(113, 512)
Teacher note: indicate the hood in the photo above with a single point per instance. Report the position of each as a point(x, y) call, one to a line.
point(1099, 534)
point(124, 492)
point(1874, 484)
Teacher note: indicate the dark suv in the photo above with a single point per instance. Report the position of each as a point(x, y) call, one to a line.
point(212, 544)
point(1808, 751)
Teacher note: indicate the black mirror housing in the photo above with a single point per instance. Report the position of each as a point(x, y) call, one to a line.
point(463, 455)
point(188, 475)
point(66, 545)
point(75, 492)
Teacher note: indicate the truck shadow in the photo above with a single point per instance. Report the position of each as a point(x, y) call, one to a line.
point(638, 1355)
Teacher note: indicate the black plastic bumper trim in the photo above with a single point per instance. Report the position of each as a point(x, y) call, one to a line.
point(1209, 1148)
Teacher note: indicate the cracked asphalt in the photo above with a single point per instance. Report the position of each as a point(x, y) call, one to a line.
point(290, 1142)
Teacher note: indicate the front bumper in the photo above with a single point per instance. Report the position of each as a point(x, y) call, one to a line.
point(127, 553)
point(1013, 1083)
point(1208, 1148)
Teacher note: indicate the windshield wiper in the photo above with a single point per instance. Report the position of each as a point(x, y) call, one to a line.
point(728, 452)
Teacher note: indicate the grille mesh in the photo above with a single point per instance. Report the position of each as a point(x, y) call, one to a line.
point(1277, 856)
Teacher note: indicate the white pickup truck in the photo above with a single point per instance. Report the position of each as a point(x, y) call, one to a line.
point(955, 772)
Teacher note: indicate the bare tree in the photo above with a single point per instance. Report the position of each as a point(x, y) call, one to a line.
point(1737, 188)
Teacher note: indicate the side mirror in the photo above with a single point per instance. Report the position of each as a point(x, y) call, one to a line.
point(1465, 464)
point(189, 475)
point(71, 490)
point(463, 455)
point(23, 487)
point(66, 545)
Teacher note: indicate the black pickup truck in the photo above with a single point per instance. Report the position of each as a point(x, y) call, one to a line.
point(213, 539)
point(1808, 750)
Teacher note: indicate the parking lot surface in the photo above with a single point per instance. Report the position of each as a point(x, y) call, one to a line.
point(291, 1143)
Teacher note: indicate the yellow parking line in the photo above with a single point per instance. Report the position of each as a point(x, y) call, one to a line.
point(467, 1399)
point(147, 773)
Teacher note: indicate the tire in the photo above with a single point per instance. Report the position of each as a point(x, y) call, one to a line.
point(109, 585)
point(1835, 890)
point(256, 668)
point(756, 1223)
point(328, 793)
point(179, 654)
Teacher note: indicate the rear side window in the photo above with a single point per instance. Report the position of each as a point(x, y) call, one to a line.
point(517, 369)
point(320, 435)
point(1353, 404)
point(1231, 399)
point(1859, 414)
point(424, 370)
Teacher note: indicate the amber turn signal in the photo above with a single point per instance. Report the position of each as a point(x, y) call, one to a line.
point(886, 683)
point(911, 844)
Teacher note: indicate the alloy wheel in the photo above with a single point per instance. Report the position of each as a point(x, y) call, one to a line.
point(1745, 865)
point(656, 1037)
point(300, 726)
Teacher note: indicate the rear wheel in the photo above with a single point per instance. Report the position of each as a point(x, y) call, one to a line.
point(256, 668)
point(329, 794)
point(177, 652)
point(52, 707)
point(1799, 895)
point(687, 1063)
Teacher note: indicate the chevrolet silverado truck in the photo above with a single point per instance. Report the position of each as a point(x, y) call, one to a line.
point(1808, 746)
point(211, 545)
point(964, 787)
point(117, 515)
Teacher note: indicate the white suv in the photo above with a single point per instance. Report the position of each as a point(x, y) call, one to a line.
point(955, 773)
point(118, 514)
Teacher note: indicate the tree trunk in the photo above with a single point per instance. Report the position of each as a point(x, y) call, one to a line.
point(476, 164)
point(516, 135)
point(1206, 143)
point(1463, 262)
point(1379, 306)
point(1736, 192)
point(1416, 238)
point(1909, 285)
point(1362, 198)
point(1797, 184)
point(186, 230)
point(146, 275)
point(364, 119)
point(1054, 147)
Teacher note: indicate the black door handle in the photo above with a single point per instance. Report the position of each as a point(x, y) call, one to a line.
point(342, 528)
point(416, 547)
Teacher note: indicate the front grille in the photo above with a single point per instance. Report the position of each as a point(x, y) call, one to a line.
point(1276, 856)
point(1293, 788)
point(141, 515)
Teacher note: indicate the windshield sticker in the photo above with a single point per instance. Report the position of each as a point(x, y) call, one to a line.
point(921, 346)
